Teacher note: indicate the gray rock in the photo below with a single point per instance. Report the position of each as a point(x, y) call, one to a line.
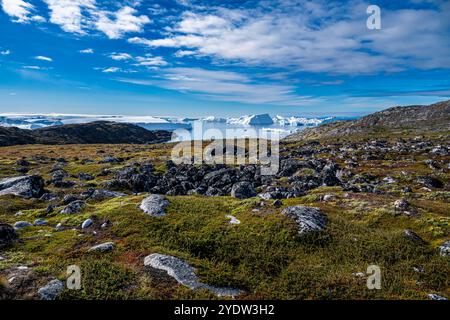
point(434, 296)
point(23, 186)
point(87, 223)
point(51, 290)
point(99, 195)
point(40, 222)
point(154, 205)
point(104, 247)
point(243, 190)
point(73, 207)
point(184, 274)
point(59, 227)
point(444, 249)
point(308, 219)
point(22, 224)
point(7, 235)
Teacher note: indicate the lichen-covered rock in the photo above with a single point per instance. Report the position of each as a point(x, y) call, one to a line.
point(7, 235)
point(308, 219)
point(51, 290)
point(99, 195)
point(86, 223)
point(23, 186)
point(184, 274)
point(414, 237)
point(154, 205)
point(40, 222)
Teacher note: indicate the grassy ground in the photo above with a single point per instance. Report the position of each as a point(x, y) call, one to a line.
point(263, 255)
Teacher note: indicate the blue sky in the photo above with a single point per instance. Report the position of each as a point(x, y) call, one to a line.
point(194, 58)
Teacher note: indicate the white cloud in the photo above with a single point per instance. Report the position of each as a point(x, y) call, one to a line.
point(5, 52)
point(18, 9)
point(313, 36)
point(87, 51)
point(184, 53)
point(120, 56)
point(32, 67)
point(68, 14)
point(43, 58)
point(125, 20)
point(111, 70)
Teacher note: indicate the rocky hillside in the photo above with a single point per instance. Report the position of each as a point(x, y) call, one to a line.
point(88, 133)
point(435, 117)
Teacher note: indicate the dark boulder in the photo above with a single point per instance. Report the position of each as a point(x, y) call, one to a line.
point(7, 235)
point(23, 186)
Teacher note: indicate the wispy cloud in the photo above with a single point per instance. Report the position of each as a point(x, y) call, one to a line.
point(120, 56)
point(5, 52)
point(224, 86)
point(87, 51)
point(43, 58)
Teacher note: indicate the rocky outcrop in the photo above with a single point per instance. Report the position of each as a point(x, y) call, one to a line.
point(74, 207)
point(184, 274)
point(308, 219)
point(86, 133)
point(435, 117)
point(23, 186)
point(243, 190)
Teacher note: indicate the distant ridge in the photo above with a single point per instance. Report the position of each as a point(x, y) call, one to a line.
point(435, 117)
point(87, 133)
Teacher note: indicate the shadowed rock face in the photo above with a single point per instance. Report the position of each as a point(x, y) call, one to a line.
point(184, 274)
point(87, 133)
point(23, 186)
point(7, 235)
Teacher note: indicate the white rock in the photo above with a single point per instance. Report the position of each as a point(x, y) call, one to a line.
point(434, 296)
point(184, 274)
point(154, 205)
point(233, 220)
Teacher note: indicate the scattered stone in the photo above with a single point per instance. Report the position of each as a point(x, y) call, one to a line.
point(51, 290)
point(40, 222)
point(328, 197)
point(50, 209)
point(308, 219)
point(7, 235)
point(444, 249)
point(405, 207)
point(434, 296)
point(59, 227)
point(23, 186)
point(73, 207)
point(154, 205)
point(233, 220)
point(22, 224)
point(86, 224)
point(184, 274)
point(104, 225)
point(414, 237)
point(104, 247)
point(243, 190)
